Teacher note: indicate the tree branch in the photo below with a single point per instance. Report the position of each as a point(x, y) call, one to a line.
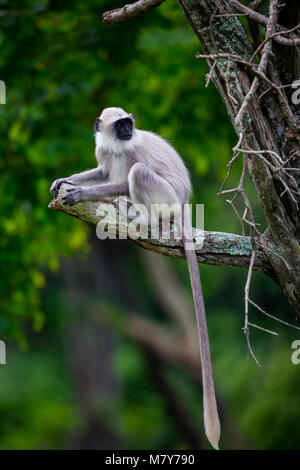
point(129, 11)
point(214, 248)
point(263, 20)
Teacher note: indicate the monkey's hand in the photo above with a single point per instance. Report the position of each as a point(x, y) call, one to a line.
point(56, 185)
point(74, 195)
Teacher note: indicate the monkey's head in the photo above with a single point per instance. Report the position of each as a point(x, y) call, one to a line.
point(115, 123)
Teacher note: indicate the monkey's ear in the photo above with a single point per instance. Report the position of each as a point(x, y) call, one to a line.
point(97, 125)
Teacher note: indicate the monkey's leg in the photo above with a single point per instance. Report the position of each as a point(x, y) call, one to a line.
point(90, 176)
point(148, 188)
point(95, 193)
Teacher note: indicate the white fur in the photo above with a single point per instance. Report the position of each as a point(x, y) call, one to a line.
point(106, 142)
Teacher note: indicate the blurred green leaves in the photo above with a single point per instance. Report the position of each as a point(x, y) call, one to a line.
point(61, 66)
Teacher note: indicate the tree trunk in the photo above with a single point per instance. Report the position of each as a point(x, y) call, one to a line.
point(269, 124)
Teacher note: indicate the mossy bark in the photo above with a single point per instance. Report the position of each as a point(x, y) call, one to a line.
point(214, 248)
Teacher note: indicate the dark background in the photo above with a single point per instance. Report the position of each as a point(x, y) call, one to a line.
point(83, 368)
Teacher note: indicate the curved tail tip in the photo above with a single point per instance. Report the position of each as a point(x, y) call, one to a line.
point(213, 433)
point(214, 443)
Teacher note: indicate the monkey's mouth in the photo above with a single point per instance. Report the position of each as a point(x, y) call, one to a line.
point(126, 137)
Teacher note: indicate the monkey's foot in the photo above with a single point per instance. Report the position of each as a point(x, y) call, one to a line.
point(74, 196)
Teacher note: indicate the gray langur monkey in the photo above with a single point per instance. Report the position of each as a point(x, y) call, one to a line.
point(143, 166)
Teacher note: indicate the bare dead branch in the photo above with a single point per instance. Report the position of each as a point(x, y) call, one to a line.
point(263, 329)
point(272, 36)
point(272, 316)
point(246, 324)
point(263, 20)
point(239, 60)
point(267, 49)
point(129, 11)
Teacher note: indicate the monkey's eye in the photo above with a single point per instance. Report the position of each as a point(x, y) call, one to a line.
point(97, 124)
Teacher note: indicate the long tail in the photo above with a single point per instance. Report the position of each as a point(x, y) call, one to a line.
point(211, 417)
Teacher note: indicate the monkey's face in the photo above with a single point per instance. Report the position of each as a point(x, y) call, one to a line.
point(124, 128)
point(97, 125)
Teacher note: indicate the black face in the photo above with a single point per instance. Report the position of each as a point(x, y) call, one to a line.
point(123, 128)
point(97, 125)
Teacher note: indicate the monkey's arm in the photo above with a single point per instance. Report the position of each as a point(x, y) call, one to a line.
point(95, 193)
point(90, 176)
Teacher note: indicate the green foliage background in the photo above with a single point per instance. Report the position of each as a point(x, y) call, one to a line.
point(61, 66)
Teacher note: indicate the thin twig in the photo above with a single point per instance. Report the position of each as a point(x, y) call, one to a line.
point(271, 37)
point(211, 33)
point(229, 165)
point(272, 316)
point(210, 74)
point(231, 202)
point(234, 101)
point(273, 253)
point(263, 329)
point(267, 50)
point(246, 324)
point(238, 59)
point(260, 152)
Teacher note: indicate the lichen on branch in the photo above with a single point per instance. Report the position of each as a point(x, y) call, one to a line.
point(214, 248)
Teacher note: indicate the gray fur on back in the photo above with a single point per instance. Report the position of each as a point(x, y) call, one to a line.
point(162, 158)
